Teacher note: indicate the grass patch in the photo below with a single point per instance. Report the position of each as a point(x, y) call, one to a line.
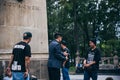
point(72, 69)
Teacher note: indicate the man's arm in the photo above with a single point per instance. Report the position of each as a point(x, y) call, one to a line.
point(8, 70)
point(87, 65)
point(10, 62)
point(59, 54)
point(27, 52)
point(67, 52)
point(97, 57)
point(27, 65)
point(91, 63)
point(84, 62)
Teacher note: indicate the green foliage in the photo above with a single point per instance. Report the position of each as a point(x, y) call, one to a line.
point(110, 48)
point(72, 69)
point(79, 19)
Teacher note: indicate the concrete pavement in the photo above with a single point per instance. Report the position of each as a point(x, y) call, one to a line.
point(100, 77)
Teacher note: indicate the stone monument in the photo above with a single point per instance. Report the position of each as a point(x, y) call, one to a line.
point(16, 18)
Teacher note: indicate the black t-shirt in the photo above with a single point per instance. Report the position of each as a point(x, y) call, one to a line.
point(93, 55)
point(20, 51)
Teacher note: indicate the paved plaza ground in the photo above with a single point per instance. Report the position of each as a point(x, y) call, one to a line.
point(100, 77)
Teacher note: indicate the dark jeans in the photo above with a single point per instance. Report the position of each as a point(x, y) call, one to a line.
point(54, 73)
point(65, 72)
point(92, 74)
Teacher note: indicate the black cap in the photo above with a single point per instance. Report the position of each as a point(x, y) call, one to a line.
point(27, 35)
point(63, 42)
point(93, 40)
point(57, 35)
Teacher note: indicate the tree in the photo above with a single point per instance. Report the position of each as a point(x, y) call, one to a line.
point(80, 20)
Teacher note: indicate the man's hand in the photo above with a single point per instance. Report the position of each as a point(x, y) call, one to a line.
point(65, 54)
point(8, 69)
point(86, 65)
point(26, 74)
point(8, 72)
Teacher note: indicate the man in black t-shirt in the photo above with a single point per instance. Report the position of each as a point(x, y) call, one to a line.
point(91, 62)
point(20, 59)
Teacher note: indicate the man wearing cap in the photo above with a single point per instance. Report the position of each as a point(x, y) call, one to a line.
point(56, 58)
point(20, 58)
point(91, 62)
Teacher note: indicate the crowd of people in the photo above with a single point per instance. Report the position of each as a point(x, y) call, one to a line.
point(59, 56)
point(59, 59)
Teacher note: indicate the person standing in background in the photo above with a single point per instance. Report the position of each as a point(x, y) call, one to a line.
point(91, 62)
point(56, 57)
point(20, 59)
point(66, 64)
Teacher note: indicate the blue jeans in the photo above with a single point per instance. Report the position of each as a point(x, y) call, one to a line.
point(19, 76)
point(65, 72)
point(92, 74)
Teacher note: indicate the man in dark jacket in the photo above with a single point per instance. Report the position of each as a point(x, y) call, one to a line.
point(56, 57)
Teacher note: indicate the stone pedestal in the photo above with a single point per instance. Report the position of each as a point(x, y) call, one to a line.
point(18, 17)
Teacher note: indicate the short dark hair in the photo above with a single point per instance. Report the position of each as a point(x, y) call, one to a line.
point(57, 35)
point(27, 35)
point(93, 40)
point(64, 42)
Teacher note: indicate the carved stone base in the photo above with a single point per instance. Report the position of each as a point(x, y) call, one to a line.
point(38, 66)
